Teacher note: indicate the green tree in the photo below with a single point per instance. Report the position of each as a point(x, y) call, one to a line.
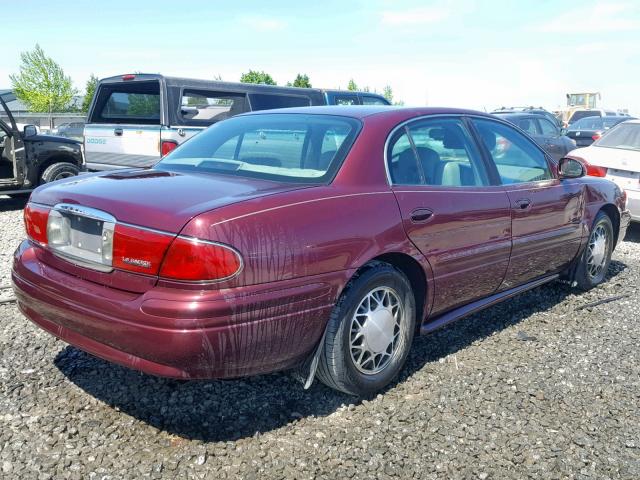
point(253, 76)
point(301, 81)
point(90, 90)
point(42, 84)
point(352, 85)
point(387, 93)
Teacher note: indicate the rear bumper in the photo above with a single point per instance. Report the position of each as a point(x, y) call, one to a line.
point(633, 204)
point(179, 333)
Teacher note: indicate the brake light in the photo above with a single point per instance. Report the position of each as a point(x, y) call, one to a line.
point(138, 249)
point(596, 136)
point(35, 222)
point(595, 171)
point(190, 259)
point(128, 77)
point(167, 146)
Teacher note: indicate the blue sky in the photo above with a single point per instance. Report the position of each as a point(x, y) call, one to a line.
point(467, 53)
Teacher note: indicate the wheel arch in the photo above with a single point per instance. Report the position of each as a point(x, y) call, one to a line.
point(613, 214)
point(414, 272)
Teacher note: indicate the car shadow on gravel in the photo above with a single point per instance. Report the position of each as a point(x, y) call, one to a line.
point(233, 409)
point(8, 204)
point(633, 233)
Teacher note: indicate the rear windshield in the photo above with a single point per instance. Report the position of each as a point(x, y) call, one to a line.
point(625, 136)
point(587, 123)
point(286, 147)
point(582, 114)
point(135, 103)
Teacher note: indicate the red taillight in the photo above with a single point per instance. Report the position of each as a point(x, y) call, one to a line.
point(35, 222)
point(190, 259)
point(167, 146)
point(595, 171)
point(139, 250)
point(128, 77)
point(596, 136)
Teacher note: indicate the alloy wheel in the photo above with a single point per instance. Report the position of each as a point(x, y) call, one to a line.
point(597, 251)
point(376, 330)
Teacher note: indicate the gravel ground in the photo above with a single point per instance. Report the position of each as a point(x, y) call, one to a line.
point(532, 388)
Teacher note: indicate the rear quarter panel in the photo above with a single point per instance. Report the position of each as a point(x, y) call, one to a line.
point(306, 232)
point(598, 193)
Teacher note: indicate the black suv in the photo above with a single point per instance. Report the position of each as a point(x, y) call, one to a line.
point(28, 159)
point(546, 133)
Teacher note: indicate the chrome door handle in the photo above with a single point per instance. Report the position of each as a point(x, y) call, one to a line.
point(523, 203)
point(117, 132)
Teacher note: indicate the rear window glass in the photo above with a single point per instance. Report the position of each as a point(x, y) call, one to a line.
point(587, 123)
point(625, 136)
point(286, 147)
point(582, 114)
point(135, 102)
point(203, 108)
point(261, 101)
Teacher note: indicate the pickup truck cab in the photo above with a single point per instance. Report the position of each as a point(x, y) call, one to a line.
point(134, 120)
point(29, 159)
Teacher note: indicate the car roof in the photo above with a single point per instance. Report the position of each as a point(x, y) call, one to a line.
point(223, 84)
point(518, 114)
point(362, 111)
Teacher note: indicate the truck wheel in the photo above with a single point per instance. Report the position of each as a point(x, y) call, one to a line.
point(369, 333)
point(58, 171)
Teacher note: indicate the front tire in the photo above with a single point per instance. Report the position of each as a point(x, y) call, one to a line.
point(370, 332)
point(58, 171)
point(594, 262)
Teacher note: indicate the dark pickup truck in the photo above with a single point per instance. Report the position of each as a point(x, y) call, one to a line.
point(29, 159)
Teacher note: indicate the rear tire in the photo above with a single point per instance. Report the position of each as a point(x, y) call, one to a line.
point(58, 171)
point(594, 263)
point(369, 333)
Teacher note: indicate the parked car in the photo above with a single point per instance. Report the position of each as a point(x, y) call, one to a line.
point(543, 131)
point(589, 129)
point(136, 119)
point(29, 159)
point(589, 112)
point(535, 110)
point(74, 130)
point(616, 156)
point(318, 236)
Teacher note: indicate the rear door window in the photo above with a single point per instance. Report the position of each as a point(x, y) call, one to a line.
point(129, 103)
point(547, 128)
point(371, 100)
point(263, 101)
point(436, 152)
point(203, 108)
point(346, 100)
point(528, 125)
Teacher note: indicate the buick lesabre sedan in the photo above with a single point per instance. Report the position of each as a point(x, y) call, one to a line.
point(319, 238)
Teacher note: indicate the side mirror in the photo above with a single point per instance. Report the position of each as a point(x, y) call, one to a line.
point(570, 168)
point(188, 112)
point(30, 131)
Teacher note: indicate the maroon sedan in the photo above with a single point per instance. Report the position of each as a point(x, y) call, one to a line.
point(322, 237)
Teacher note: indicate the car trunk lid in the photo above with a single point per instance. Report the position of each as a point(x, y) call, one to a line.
point(157, 201)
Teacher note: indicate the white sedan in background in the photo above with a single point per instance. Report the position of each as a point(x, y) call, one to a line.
point(616, 156)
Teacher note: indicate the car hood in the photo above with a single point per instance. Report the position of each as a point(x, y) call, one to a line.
point(609, 157)
point(51, 138)
point(153, 198)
